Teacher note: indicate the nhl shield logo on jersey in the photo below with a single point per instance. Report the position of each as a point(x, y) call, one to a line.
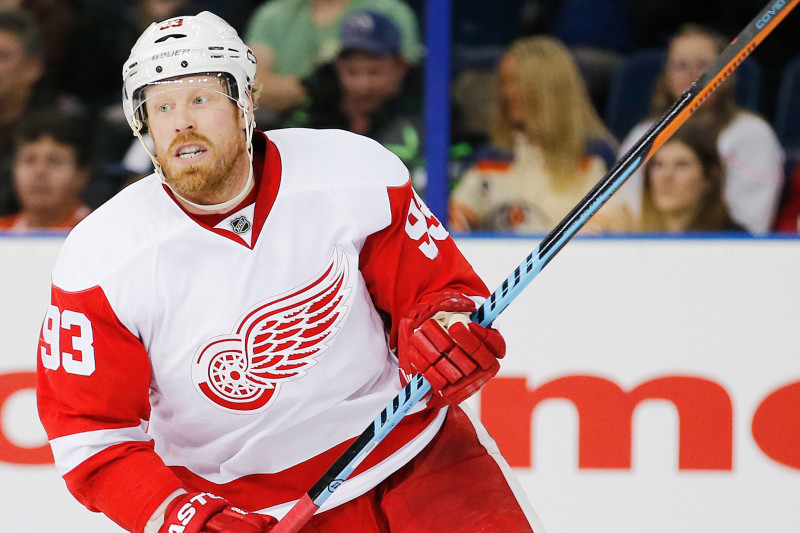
point(240, 225)
point(276, 341)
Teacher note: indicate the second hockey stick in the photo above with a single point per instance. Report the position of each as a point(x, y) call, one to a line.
point(730, 58)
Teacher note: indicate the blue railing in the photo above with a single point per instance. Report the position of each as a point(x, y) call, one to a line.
point(437, 103)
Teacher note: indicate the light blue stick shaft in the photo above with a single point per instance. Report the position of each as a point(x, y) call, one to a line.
point(550, 245)
point(659, 132)
point(412, 393)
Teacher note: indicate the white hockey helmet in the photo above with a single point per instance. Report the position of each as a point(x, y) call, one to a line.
point(180, 46)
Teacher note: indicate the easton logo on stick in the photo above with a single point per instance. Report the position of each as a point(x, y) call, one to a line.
point(333, 485)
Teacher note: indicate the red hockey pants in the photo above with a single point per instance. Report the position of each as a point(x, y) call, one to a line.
point(454, 485)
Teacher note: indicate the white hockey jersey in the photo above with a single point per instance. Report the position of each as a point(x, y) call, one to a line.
point(241, 353)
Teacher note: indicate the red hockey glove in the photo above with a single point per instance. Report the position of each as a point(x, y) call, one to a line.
point(457, 361)
point(201, 512)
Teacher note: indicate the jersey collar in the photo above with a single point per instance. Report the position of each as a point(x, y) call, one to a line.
point(243, 223)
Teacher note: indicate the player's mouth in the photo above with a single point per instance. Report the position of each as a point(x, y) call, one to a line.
point(190, 152)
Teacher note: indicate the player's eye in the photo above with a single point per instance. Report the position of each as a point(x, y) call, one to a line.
point(164, 108)
point(201, 100)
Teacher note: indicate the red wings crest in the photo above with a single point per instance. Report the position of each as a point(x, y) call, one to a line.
point(276, 341)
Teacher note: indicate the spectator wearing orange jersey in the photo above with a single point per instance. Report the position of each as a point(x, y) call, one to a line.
point(548, 145)
point(50, 171)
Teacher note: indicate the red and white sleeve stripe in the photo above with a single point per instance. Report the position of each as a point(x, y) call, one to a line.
point(93, 399)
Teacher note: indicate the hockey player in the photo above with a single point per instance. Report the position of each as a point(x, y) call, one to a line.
point(220, 331)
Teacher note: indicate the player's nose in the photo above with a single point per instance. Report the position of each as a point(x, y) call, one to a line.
point(184, 119)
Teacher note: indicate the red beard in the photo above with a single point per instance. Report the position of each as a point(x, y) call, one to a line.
point(207, 177)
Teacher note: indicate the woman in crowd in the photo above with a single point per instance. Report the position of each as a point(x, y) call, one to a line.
point(752, 155)
point(682, 191)
point(548, 145)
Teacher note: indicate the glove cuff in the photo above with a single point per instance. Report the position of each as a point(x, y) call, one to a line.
point(190, 512)
point(451, 302)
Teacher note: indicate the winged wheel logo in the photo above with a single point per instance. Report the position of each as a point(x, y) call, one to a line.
point(276, 341)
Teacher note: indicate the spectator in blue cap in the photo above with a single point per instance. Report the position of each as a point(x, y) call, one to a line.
point(369, 89)
point(369, 67)
point(292, 38)
point(369, 31)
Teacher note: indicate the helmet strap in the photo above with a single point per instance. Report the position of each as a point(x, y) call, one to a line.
point(224, 206)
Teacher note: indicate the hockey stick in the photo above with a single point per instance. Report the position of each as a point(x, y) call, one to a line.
point(730, 58)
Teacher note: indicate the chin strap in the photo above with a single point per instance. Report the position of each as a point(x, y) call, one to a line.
point(224, 206)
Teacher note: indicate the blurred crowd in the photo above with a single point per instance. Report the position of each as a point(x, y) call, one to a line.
point(546, 95)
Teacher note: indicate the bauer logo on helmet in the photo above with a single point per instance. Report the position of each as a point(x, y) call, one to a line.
point(170, 53)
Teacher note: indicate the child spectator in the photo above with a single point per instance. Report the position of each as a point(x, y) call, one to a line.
point(21, 69)
point(549, 147)
point(752, 155)
point(51, 169)
point(292, 37)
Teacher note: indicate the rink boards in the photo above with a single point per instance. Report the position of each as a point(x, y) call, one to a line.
point(650, 385)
